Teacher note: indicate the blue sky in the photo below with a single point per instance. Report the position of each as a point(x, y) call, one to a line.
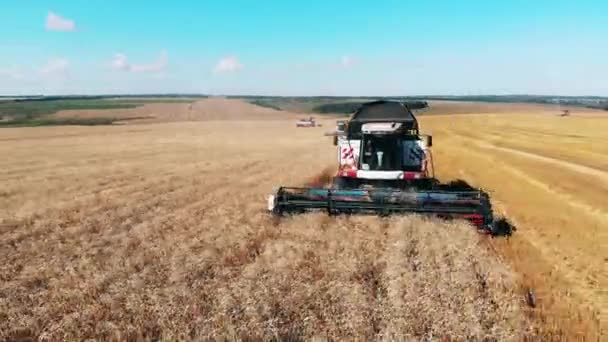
point(304, 48)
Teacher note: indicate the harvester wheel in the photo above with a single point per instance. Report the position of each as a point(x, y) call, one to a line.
point(502, 227)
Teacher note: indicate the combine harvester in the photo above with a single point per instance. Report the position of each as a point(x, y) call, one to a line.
point(310, 122)
point(386, 167)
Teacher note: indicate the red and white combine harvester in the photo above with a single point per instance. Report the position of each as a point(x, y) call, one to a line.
point(386, 167)
point(310, 122)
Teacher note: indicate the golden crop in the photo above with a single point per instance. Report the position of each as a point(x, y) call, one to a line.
point(160, 231)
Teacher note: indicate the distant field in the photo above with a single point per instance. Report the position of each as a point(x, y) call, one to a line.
point(38, 112)
point(304, 104)
point(145, 100)
point(105, 110)
point(322, 105)
point(211, 109)
point(23, 112)
point(160, 231)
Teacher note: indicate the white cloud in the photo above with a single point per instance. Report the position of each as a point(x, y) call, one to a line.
point(228, 64)
point(13, 73)
point(55, 22)
point(121, 62)
point(157, 66)
point(347, 62)
point(56, 66)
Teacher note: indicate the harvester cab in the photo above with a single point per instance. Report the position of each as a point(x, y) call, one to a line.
point(385, 166)
point(381, 146)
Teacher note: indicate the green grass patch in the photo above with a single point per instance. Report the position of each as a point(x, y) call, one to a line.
point(341, 108)
point(35, 112)
point(305, 104)
point(28, 122)
point(33, 109)
point(266, 104)
point(319, 104)
point(143, 101)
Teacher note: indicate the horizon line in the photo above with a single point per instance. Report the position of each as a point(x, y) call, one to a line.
point(302, 96)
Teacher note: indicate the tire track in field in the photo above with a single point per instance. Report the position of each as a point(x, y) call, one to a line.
point(538, 144)
point(599, 214)
point(572, 275)
point(590, 171)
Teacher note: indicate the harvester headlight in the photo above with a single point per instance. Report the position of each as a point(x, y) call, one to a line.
point(271, 203)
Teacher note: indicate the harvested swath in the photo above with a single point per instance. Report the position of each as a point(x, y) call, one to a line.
point(306, 276)
point(318, 276)
point(365, 277)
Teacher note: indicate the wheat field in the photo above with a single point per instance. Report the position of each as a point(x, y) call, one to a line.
point(549, 175)
point(159, 231)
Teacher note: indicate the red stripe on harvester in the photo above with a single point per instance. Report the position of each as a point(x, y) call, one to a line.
point(411, 175)
point(348, 173)
point(475, 219)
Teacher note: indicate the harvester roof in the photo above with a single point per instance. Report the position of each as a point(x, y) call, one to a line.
point(383, 111)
